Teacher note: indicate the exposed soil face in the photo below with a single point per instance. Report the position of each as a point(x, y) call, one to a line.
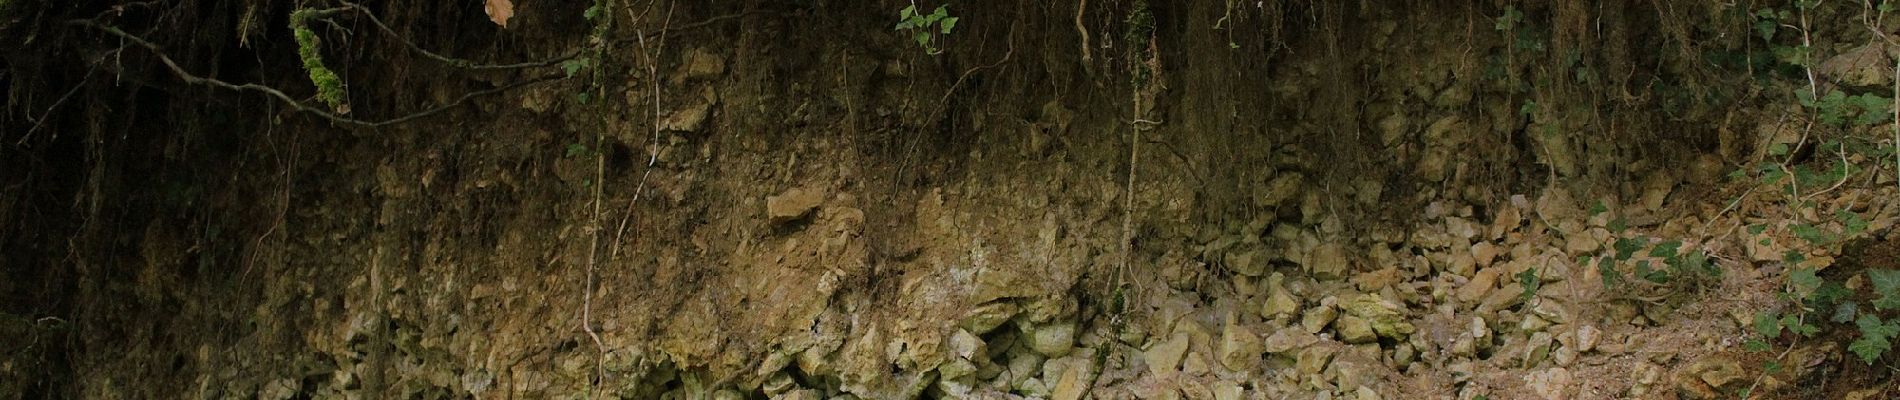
point(1077, 200)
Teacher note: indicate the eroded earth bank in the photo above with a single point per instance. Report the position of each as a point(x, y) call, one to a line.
point(1083, 199)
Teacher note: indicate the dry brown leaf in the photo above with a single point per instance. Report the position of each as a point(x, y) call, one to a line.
point(499, 11)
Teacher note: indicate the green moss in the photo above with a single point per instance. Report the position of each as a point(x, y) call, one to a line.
point(329, 86)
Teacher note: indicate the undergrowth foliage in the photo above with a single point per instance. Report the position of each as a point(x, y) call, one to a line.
point(925, 28)
point(1838, 147)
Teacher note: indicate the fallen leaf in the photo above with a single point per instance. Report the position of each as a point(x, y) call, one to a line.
point(499, 11)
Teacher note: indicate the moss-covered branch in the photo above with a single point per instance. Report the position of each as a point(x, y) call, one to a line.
point(329, 87)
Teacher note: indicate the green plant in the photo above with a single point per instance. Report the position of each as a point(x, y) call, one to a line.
point(1680, 268)
point(1837, 108)
point(329, 86)
point(925, 28)
point(1509, 19)
point(1139, 35)
point(1530, 282)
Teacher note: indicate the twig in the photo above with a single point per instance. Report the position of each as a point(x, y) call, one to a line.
point(189, 78)
point(457, 62)
point(690, 26)
point(62, 100)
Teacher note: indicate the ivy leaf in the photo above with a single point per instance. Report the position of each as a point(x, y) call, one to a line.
point(1873, 108)
point(1853, 223)
point(1805, 281)
point(1829, 293)
point(1874, 339)
point(1666, 249)
point(1796, 326)
point(1767, 325)
point(1643, 270)
point(573, 65)
point(1757, 229)
point(1845, 312)
point(1887, 285)
point(1870, 347)
point(947, 24)
point(1809, 233)
point(1756, 346)
point(908, 12)
point(1626, 247)
point(1607, 268)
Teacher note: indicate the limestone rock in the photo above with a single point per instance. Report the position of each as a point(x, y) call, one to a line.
point(987, 317)
point(1391, 128)
point(1317, 318)
point(1551, 384)
point(692, 116)
point(779, 383)
point(1867, 66)
point(1281, 189)
point(1228, 391)
point(1314, 359)
point(1480, 285)
point(806, 394)
point(1432, 164)
point(1053, 340)
point(1327, 262)
point(1250, 261)
point(1285, 340)
point(702, 64)
point(1720, 372)
point(1710, 377)
point(1073, 383)
point(1240, 347)
point(1483, 253)
point(1354, 330)
point(1023, 367)
point(968, 346)
point(1366, 393)
point(1384, 316)
point(1165, 357)
point(1279, 303)
point(1455, 96)
point(792, 204)
point(1587, 338)
point(1373, 281)
point(1537, 349)
point(1048, 308)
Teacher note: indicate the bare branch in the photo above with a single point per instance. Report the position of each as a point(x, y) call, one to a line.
point(190, 78)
